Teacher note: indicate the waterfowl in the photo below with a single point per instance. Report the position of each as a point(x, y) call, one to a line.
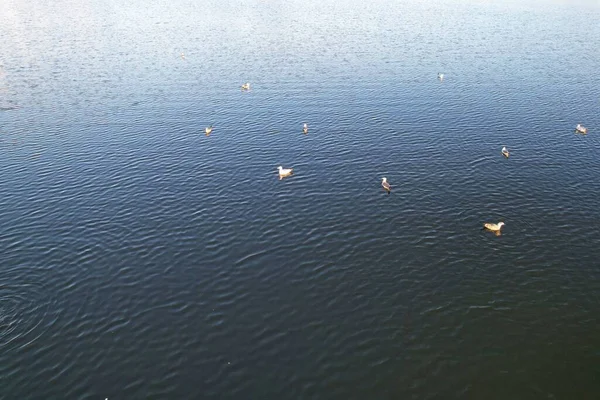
point(182, 56)
point(284, 172)
point(505, 152)
point(386, 186)
point(246, 86)
point(580, 128)
point(440, 76)
point(305, 129)
point(493, 227)
point(208, 130)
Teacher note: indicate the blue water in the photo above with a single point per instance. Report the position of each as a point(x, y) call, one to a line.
point(140, 258)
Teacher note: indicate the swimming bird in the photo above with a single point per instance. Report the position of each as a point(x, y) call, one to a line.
point(182, 56)
point(440, 76)
point(580, 128)
point(208, 130)
point(505, 152)
point(246, 86)
point(284, 172)
point(305, 129)
point(386, 186)
point(493, 227)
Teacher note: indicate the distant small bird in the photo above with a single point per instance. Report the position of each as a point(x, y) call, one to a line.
point(246, 86)
point(208, 130)
point(305, 129)
point(493, 227)
point(386, 186)
point(284, 172)
point(580, 128)
point(505, 152)
point(182, 56)
point(440, 76)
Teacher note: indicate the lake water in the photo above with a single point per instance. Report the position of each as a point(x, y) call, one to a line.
point(140, 259)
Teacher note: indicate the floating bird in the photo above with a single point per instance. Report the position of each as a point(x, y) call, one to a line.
point(440, 76)
point(505, 152)
point(305, 129)
point(494, 227)
point(580, 128)
point(246, 86)
point(182, 56)
point(284, 172)
point(386, 186)
point(208, 130)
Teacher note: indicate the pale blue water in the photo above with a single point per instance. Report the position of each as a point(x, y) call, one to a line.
point(141, 259)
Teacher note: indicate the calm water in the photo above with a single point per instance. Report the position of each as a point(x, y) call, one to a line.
point(140, 259)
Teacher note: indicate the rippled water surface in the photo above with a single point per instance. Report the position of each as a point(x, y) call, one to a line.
point(141, 259)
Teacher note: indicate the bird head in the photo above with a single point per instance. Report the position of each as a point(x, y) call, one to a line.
point(500, 223)
point(280, 168)
point(384, 179)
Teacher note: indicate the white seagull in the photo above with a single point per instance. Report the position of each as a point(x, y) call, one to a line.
point(305, 129)
point(493, 227)
point(246, 86)
point(505, 152)
point(386, 186)
point(440, 76)
point(208, 130)
point(580, 128)
point(284, 172)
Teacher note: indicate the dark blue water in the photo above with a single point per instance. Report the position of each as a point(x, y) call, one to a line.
point(141, 259)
